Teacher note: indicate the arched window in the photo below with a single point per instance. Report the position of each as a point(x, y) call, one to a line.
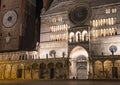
point(53, 19)
point(60, 19)
point(107, 11)
point(71, 37)
point(23, 57)
point(52, 53)
point(78, 36)
point(114, 10)
point(84, 35)
point(19, 57)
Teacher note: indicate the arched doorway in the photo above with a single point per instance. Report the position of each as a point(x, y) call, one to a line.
point(59, 70)
point(79, 67)
point(42, 71)
point(51, 70)
point(14, 71)
point(7, 71)
point(108, 69)
point(35, 70)
point(20, 72)
point(98, 70)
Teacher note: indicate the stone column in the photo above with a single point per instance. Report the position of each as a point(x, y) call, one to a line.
point(93, 68)
point(24, 71)
point(31, 72)
point(47, 70)
point(103, 63)
point(4, 71)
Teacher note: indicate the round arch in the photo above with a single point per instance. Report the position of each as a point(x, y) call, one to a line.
point(71, 37)
point(98, 69)
point(7, 71)
point(43, 71)
point(79, 60)
point(108, 69)
point(14, 71)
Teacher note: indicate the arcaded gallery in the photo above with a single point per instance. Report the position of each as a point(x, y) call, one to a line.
point(62, 39)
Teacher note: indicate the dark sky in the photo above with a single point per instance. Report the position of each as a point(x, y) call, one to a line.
point(39, 5)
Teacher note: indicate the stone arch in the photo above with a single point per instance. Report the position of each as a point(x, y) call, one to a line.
point(35, 70)
point(50, 65)
point(2, 68)
point(14, 71)
point(98, 70)
point(108, 69)
point(8, 71)
point(78, 36)
point(117, 64)
point(75, 68)
point(59, 70)
point(71, 37)
point(43, 71)
point(35, 66)
point(20, 71)
point(51, 70)
point(28, 68)
point(85, 36)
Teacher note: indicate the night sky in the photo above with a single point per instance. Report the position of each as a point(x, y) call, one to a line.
point(39, 5)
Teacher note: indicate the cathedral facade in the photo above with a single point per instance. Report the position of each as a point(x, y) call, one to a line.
point(79, 39)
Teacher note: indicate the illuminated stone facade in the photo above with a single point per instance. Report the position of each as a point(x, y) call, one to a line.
point(79, 39)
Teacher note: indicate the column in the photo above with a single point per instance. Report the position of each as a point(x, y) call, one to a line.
point(103, 64)
point(93, 68)
point(24, 72)
point(103, 69)
point(39, 71)
point(63, 63)
point(31, 72)
point(4, 71)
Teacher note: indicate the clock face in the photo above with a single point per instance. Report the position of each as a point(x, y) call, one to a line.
point(79, 14)
point(9, 18)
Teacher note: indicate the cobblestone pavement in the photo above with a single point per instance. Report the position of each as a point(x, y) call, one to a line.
point(59, 82)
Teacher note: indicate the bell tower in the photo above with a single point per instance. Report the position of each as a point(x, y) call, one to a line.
point(14, 24)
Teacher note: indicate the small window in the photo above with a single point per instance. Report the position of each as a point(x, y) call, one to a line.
point(53, 19)
point(114, 10)
point(60, 19)
point(107, 11)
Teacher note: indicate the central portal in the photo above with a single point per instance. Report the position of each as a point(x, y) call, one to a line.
point(81, 67)
point(79, 60)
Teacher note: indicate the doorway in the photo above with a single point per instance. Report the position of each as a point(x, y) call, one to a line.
point(81, 67)
point(52, 73)
point(19, 73)
point(79, 60)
